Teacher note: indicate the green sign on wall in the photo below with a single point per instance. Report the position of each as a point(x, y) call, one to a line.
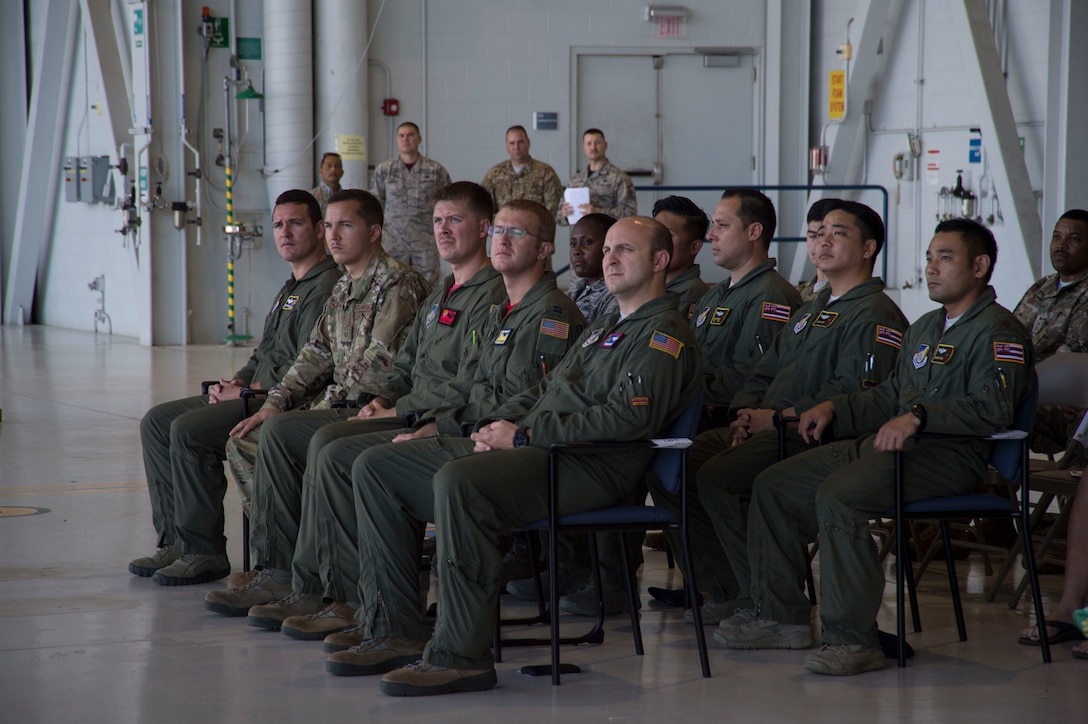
point(249, 48)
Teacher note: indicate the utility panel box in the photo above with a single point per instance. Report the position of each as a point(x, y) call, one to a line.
point(71, 178)
point(102, 180)
point(86, 185)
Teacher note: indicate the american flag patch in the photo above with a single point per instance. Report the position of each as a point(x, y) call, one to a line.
point(640, 401)
point(776, 312)
point(889, 336)
point(554, 328)
point(1009, 352)
point(665, 343)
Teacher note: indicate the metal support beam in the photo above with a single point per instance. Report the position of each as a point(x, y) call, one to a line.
point(14, 85)
point(999, 130)
point(1065, 166)
point(98, 18)
point(41, 156)
point(846, 140)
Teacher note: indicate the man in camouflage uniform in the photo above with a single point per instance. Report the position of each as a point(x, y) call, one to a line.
point(522, 176)
point(1055, 311)
point(965, 368)
point(809, 288)
point(610, 189)
point(404, 186)
point(183, 440)
point(589, 291)
point(331, 171)
point(688, 224)
point(845, 340)
point(443, 340)
point(352, 346)
point(622, 380)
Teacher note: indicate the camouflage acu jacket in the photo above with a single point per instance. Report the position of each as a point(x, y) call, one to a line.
point(537, 182)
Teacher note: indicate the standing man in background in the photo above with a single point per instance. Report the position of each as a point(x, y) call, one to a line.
point(610, 189)
point(331, 171)
point(523, 177)
point(404, 186)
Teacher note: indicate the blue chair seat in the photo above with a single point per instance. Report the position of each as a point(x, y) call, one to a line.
point(638, 516)
point(966, 506)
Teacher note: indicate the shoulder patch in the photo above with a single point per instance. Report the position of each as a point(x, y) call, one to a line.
point(432, 315)
point(502, 336)
point(691, 310)
point(802, 322)
point(776, 312)
point(889, 336)
point(702, 317)
point(611, 340)
point(593, 337)
point(554, 328)
point(664, 343)
point(1009, 352)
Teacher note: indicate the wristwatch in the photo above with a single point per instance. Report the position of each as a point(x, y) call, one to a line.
point(521, 437)
point(919, 411)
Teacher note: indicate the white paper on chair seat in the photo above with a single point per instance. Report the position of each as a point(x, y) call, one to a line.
point(678, 443)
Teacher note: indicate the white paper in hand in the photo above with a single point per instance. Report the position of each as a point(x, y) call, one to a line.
point(576, 197)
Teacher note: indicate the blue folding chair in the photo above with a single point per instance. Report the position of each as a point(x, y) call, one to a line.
point(669, 464)
point(1010, 457)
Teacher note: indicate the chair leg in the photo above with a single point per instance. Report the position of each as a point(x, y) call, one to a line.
point(901, 567)
point(912, 591)
point(668, 556)
point(245, 542)
point(632, 600)
point(811, 580)
point(691, 587)
point(953, 582)
point(1036, 594)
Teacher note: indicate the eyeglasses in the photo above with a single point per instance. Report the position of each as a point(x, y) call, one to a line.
point(514, 232)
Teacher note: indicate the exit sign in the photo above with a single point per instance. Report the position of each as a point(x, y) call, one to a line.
point(669, 28)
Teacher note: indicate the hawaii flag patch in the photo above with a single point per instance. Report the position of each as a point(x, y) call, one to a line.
point(640, 401)
point(1009, 352)
point(554, 328)
point(889, 336)
point(665, 343)
point(776, 312)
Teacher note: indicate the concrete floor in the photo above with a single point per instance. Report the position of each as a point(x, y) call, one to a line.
point(83, 640)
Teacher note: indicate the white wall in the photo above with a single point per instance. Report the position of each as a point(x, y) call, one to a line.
point(948, 106)
point(490, 63)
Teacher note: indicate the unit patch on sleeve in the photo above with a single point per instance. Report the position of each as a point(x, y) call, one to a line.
point(290, 303)
point(943, 354)
point(554, 328)
point(665, 343)
point(776, 312)
point(890, 337)
point(1009, 352)
point(825, 319)
point(691, 310)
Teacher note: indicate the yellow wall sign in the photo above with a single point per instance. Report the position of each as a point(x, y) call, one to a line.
point(351, 148)
point(836, 96)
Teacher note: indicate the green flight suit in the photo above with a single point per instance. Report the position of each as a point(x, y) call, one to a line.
point(970, 379)
point(623, 380)
point(353, 345)
point(183, 440)
point(690, 288)
point(827, 349)
point(515, 351)
point(735, 324)
point(444, 334)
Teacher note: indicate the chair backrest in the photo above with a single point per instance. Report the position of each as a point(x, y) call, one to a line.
point(1006, 455)
point(1063, 379)
point(666, 462)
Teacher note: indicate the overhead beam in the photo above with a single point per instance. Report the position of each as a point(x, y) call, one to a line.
point(38, 181)
point(98, 18)
point(999, 130)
